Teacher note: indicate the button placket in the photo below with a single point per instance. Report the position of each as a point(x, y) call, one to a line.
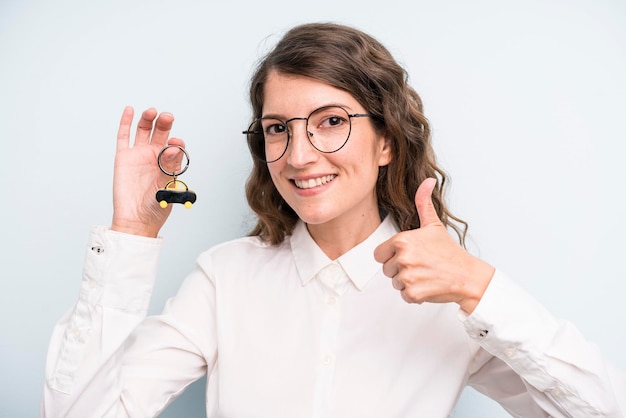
point(333, 277)
point(333, 283)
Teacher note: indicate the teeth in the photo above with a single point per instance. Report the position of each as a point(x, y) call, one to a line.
point(310, 183)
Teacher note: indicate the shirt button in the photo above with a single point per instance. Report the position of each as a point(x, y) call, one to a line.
point(327, 360)
point(483, 333)
point(556, 392)
point(332, 301)
point(510, 352)
point(75, 334)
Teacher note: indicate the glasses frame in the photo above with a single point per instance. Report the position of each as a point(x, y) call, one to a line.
point(250, 132)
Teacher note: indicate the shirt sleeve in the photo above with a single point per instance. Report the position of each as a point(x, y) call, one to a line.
point(561, 372)
point(85, 361)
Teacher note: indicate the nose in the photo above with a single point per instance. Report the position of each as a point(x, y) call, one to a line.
point(300, 152)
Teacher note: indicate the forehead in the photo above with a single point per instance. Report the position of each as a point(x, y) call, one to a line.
point(288, 95)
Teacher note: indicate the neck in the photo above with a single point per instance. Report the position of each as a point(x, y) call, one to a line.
point(339, 236)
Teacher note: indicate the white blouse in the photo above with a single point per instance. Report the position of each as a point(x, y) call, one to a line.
point(283, 331)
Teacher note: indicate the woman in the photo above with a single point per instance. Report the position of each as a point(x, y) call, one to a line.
point(300, 318)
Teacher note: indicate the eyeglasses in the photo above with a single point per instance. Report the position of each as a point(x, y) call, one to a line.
point(327, 129)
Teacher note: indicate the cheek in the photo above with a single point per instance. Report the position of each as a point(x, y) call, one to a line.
point(275, 170)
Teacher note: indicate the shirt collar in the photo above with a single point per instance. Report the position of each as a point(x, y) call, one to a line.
point(358, 263)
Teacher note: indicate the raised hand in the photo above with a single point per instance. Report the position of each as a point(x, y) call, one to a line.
point(137, 176)
point(428, 265)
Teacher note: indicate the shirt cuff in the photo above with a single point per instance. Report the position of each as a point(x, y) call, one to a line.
point(120, 270)
point(510, 324)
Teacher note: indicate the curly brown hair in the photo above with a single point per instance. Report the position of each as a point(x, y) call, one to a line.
point(351, 60)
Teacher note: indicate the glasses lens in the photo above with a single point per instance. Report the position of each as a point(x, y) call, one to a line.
point(329, 128)
point(267, 139)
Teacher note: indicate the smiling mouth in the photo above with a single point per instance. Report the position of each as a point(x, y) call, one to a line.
point(310, 183)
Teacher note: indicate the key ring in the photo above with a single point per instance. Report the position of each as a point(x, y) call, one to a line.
point(173, 174)
point(175, 191)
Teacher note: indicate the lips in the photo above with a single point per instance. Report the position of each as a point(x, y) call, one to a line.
point(315, 182)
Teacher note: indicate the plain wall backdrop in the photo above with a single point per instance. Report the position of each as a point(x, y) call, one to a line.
point(526, 99)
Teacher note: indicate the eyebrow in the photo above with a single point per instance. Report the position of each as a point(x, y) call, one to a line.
point(348, 108)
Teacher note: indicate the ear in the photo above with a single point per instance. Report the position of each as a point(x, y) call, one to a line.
point(385, 151)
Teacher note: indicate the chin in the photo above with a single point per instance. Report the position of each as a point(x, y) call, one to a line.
point(314, 218)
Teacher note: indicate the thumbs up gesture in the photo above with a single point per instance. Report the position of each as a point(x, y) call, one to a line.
point(428, 265)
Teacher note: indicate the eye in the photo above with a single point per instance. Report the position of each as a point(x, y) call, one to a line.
point(274, 128)
point(331, 117)
point(333, 121)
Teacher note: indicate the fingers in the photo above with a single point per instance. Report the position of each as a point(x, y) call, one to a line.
point(384, 251)
point(426, 264)
point(424, 203)
point(123, 132)
point(151, 129)
point(405, 297)
point(162, 128)
point(426, 212)
point(144, 126)
point(397, 283)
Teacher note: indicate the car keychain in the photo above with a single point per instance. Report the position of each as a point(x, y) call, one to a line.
point(175, 191)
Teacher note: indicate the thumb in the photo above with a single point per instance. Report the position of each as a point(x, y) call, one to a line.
point(424, 203)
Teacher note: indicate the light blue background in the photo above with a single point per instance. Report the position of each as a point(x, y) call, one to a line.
point(526, 99)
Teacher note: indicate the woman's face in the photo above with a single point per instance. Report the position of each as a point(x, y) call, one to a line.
point(325, 188)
